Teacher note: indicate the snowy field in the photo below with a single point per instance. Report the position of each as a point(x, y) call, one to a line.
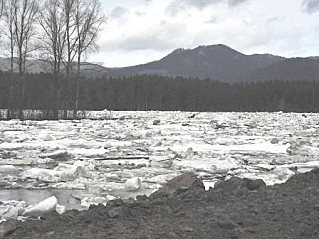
point(124, 154)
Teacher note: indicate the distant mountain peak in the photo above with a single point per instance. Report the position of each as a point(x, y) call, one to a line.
point(219, 62)
point(214, 47)
point(217, 47)
point(217, 50)
point(221, 46)
point(178, 51)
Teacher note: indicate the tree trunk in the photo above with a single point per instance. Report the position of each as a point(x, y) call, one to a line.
point(9, 112)
point(21, 85)
point(77, 93)
point(56, 102)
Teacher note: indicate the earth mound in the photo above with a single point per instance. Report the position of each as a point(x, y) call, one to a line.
point(236, 208)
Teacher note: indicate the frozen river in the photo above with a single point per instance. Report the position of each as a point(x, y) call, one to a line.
point(92, 161)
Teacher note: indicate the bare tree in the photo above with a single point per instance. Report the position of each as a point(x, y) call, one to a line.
point(53, 41)
point(69, 6)
point(88, 18)
point(69, 31)
point(8, 30)
point(2, 7)
point(24, 19)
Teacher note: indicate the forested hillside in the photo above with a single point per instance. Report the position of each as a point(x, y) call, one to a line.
point(216, 62)
point(164, 93)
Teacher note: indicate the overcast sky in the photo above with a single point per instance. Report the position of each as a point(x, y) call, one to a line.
point(139, 31)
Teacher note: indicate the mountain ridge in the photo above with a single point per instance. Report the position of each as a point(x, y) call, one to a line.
point(214, 62)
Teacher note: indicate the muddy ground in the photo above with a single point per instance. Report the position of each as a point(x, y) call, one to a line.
point(237, 208)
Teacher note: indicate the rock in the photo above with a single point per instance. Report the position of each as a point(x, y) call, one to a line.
point(180, 183)
point(303, 178)
point(315, 170)
point(141, 198)
point(250, 230)
point(274, 141)
point(115, 203)
point(254, 184)
point(173, 235)
point(156, 122)
point(235, 185)
point(47, 137)
point(227, 224)
point(115, 212)
point(42, 207)
point(58, 155)
point(7, 228)
point(193, 116)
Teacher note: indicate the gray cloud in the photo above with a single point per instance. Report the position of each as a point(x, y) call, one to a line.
point(200, 4)
point(161, 37)
point(310, 6)
point(275, 20)
point(175, 7)
point(117, 12)
point(139, 42)
point(235, 2)
point(140, 13)
point(213, 20)
point(267, 28)
point(180, 5)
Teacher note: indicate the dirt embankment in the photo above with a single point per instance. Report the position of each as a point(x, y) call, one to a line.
point(237, 208)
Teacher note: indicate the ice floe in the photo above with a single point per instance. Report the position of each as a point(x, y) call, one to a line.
point(63, 172)
point(42, 207)
point(11, 209)
point(123, 154)
point(133, 184)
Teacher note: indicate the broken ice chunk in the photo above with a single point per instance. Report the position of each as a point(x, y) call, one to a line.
point(60, 209)
point(11, 209)
point(42, 207)
point(8, 169)
point(94, 200)
point(133, 184)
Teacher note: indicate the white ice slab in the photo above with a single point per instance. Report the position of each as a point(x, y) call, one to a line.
point(42, 207)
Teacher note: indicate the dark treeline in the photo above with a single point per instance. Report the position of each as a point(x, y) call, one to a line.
point(163, 93)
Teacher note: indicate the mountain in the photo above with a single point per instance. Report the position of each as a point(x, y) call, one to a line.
point(215, 62)
point(218, 62)
point(38, 66)
point(288, 70)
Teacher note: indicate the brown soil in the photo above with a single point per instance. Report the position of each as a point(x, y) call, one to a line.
point(237, 208)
